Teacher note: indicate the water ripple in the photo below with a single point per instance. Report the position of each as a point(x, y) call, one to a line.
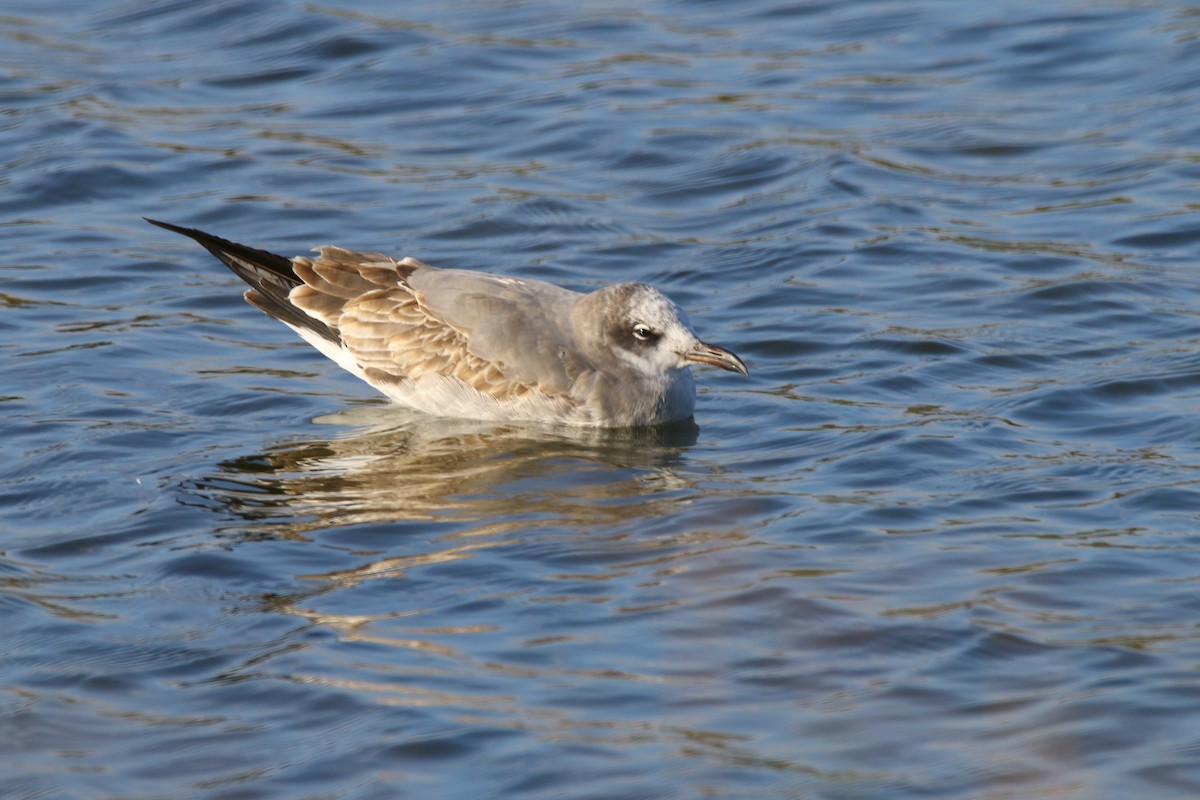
point(940, 542)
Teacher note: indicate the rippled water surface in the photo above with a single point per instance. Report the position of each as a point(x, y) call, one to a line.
point(943, 541)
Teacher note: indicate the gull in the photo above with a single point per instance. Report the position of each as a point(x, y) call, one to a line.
point(461, 343)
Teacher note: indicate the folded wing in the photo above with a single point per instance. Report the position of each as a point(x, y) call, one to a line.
point(391, 322)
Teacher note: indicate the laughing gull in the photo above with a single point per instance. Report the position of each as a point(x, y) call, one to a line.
point(459, 343)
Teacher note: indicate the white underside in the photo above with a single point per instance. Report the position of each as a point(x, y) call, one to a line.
point(445, 396)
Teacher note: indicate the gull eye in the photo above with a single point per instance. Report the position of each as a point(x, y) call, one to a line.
point(644, 333)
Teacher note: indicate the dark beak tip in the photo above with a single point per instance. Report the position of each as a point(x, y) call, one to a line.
point(717, 357)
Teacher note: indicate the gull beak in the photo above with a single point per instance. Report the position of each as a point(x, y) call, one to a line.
point(706, 353)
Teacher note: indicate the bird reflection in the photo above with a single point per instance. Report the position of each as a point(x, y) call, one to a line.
point(419, 615)
point(387, 463)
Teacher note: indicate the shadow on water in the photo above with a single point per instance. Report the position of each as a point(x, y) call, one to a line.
point(388, 464)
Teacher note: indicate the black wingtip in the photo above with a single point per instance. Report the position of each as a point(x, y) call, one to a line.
point(235, 256)
point(271, 277)
point(170, 227)
point(192, 233)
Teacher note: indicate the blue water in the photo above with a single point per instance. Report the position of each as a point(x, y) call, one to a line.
point(942, 543)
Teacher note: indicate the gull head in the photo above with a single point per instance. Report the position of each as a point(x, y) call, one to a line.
point(641, 328)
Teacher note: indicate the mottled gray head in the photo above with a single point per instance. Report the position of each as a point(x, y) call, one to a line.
point(641, 327)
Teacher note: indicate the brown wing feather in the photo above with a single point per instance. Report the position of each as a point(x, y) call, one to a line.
point(363, 303)
point(385, 327)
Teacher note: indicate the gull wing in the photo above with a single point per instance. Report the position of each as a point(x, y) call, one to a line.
point(521, 326)
point(404, 319)
point(389, 321)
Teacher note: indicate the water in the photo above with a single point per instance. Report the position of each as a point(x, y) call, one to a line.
point(942, 542)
